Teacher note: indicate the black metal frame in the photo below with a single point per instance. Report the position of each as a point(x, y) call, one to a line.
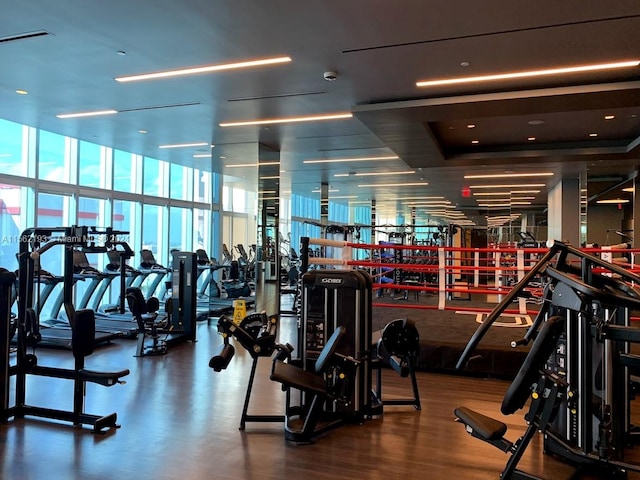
point(34, 243)
point(594, 297)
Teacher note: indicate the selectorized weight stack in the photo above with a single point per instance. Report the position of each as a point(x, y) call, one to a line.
point(333, 298)
point(184, 277)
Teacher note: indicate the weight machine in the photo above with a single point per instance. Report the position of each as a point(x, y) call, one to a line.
point(580, 385)
point(257, 333)
point(34, 243)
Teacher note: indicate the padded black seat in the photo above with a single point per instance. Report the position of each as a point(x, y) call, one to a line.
point(294, 376)
point(531, 381)
point(145, 312)
point(486, 427)
point(300, 422)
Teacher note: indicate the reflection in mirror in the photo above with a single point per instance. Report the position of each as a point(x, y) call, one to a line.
point(268, 276)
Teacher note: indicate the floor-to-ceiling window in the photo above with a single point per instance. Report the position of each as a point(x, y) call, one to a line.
point(51, 180)
point(56, 155)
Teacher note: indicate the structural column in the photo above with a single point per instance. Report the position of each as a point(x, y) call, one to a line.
point(635, 222)
point(564, 212)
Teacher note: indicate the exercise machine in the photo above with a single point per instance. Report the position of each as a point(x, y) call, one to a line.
point(398, 346)
point(332, 381)
point(150, 324)
point(33, 245)
point(545, 389)
point(592, 425)
point(82, 323)
point(257, 334)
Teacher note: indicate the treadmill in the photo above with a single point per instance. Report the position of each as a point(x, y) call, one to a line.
point(122, 325)
point(35, 282)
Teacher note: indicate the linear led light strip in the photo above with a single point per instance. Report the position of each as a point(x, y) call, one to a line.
point(269, 121)
point(87, 114)
point(526, 185)
point(374, 174)
point(512, 192)
point(203, 69)
point(421, 198)
point(530, 73)
point(613, 200)
point(184, 145)
point(354, 159)
point(511, 175)
point(410, 184)
point(261, 164)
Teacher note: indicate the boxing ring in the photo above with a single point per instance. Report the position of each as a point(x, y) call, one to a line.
point(448, 291)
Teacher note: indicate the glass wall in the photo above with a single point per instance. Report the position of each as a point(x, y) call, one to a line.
point(92, 161)
point(126, 172)
point(16, 213)
point(14, 148)
point(54, 157)
point(49, 180)
point(181, 182)
point(155, 179)
point(180, 229)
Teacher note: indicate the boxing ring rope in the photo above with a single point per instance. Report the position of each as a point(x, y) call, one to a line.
point(488, 271)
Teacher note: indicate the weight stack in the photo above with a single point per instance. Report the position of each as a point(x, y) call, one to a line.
point(331, 298)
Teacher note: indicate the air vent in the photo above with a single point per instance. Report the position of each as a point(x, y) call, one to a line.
point(24, 36)
point(281, 95)
point(158, 107)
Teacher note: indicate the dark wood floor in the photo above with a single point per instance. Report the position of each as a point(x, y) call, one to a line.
point(180, 421)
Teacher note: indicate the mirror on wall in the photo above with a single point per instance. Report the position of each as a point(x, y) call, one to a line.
point(268, 225)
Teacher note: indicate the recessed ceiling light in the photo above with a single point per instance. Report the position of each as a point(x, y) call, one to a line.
point(203, 69)
point(511, 175)
point(184, 145)
point(535, 122)
point(201, 155)
point(142, 131)
point(609, 117)
point(87, 114)
point(354, 159)
point(593, 134)
point(464, 64)
point(122, 53)
point(530, 73)
point(475, 141)
point(22, 92)
point(531, 139)
point(471, 125)
point(312, 118)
